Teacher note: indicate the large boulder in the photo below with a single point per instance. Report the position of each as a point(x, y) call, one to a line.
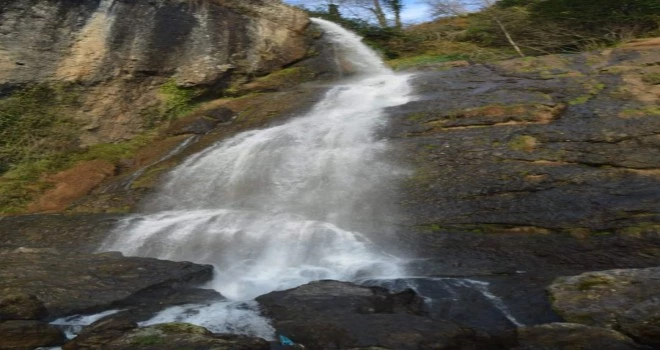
point(570, 336)
point(331, 314)
point(627, 300)
point(83, 283)
point(166, 336)
point(27, 335)
point(100, 333)
point(16, 305)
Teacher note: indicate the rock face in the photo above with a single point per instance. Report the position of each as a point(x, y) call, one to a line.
point(339, 315)
point(627, 300)
point(531, 163)
point(122, 51)
point(85, 283)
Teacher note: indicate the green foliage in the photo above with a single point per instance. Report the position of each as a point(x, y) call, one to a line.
point(38, 137)
point(422, 60)
point(524, 143)
point(112, 152)
point(34, 124)
point(566, 25)
point(36, 132)
point(178, 100)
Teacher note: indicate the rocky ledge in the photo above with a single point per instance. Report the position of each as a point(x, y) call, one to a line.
point(39, 285)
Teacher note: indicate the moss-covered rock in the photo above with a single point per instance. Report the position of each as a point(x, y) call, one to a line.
point(177, 336)
point(624, 300)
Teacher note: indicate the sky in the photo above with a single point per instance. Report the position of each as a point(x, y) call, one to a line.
point(414, 10)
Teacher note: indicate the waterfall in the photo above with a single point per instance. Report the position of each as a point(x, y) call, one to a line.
point(279, 207)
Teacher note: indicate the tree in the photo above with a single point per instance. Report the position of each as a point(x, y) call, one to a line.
point(379, 9)
point(396, 6)
point(460, 8)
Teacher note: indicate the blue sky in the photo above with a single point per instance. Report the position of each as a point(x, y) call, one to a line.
point(414, 11)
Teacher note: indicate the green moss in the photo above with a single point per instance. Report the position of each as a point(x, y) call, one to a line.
point(151, 176)
point(147, 340)
point(178, 101)
point(651, 78)
point(591, 281)
point(35, 131)
point(114, 152)
point(25, 181)
point(641, 228)
point(422, 60)
point(417, 116)
point(579, 100)
point(650, 110)
point(35, 123)
point(523, 143)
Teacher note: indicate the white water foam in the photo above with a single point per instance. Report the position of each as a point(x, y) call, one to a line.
point(276, 208)
point(72, 325)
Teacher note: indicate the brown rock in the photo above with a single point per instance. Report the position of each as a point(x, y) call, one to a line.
point(16, 305)
point(72, 184)
point(27, 335)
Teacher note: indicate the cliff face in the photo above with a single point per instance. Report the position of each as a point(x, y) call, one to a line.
point(122, 52)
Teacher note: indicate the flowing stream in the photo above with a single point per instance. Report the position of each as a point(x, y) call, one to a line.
point(275, 208)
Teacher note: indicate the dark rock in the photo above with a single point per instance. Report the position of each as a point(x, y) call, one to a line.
point(86, 283)
point(27, 335)
point(20, 306)
point(331, 314)
point(537, 156)
point(625, 300)
point(99, 333)
point(66, 233)
point(570, 336)
point(142, 306)
point(176, 336)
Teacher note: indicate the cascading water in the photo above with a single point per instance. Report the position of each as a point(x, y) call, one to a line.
point(276, 208)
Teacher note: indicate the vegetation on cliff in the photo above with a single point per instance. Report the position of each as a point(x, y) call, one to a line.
point(534, 27)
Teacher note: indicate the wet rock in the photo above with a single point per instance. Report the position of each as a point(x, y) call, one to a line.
point(570, 336)
point(331, 314)
point(99, 333)
point(15, 305)
point(627, 300)
point(204, 123)
point(143, 306)
point(27, 335)
point(176, 336)
point(539, 165)
point(86, 283)
point(64, 233)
